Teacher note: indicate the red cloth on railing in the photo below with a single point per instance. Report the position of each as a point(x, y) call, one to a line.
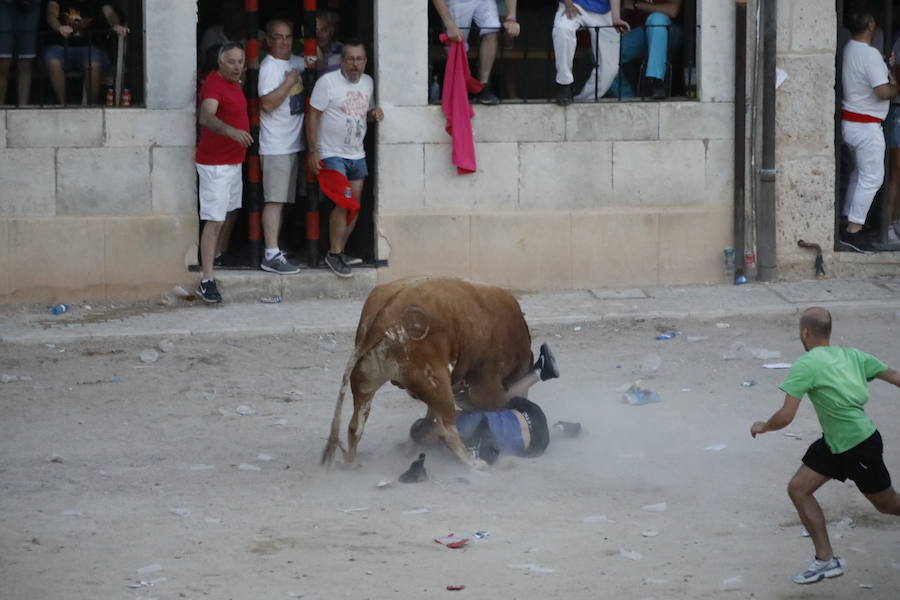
point(458, 83)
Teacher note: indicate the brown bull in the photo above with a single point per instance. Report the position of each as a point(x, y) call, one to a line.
point(433, 337)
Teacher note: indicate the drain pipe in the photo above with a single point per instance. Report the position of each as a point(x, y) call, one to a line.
point(765, 222)
point(740, 134)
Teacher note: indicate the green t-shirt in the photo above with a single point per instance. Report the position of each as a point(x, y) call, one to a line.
point(837, 382)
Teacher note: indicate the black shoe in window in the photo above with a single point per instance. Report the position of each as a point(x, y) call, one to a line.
point(487, 96)
point(855, 242)
point(657, 87)
point(564, 94)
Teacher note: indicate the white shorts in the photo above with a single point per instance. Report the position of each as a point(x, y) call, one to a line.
point(221, 188)
point(483, 12)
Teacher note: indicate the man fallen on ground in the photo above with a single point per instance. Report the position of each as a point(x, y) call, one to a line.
point(520, 429)
point(836, 381)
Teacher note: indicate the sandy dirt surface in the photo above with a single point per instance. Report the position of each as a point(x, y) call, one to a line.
point(114, 472)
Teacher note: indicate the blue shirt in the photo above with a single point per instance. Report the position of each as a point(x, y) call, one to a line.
point(504, 425)
point(595, 6)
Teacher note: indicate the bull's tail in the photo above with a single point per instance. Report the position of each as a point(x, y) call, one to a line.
point(334, 439)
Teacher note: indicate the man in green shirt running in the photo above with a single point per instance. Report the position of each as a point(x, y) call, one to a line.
point(836, 380)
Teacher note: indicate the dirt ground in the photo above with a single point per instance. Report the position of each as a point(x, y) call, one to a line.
point(117, 472)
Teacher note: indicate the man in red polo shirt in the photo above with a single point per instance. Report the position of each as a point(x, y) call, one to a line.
point(224, 138)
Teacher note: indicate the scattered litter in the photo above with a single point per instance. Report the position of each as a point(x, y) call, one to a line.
point(248, 467)
point(804, 533)
point(328, 345)
point(650, 364)
point(637, 395)
point(416, 471)
point(149, 356)
point(154, 568)
point(791, 434)
point(415, 511)
point(384, 483)
point(655, 580)
point(765, 354)
point(858, 550)
point(270, 299)
point(166, 345)
point(729, 356)
point(60, 309)
point(212, 520)
point(723, 325)
point(715, 448)
point(844, 523)
point(748, 383)
point(86, 307)
point(8, 378)
point(182, 293)
point(455, 588)
point(481, 534)
point(568, 429)
point(631, 554)
point(263, 457)
point(55, 458)
point(576, 328)
point(245, 411)
point(660, 507)
point(459, 479)
point(280, 422)
point(452, 541)
point(732, 583)
point(354, 510)
point(777, 366)
point(649, 533)
point(181, 511)
point(201, 467)
point(866, 586)
point(594, 519)
point(115, 380)
point(666, 336)
point(697, 338)
point(532, 568)
point(71, 513)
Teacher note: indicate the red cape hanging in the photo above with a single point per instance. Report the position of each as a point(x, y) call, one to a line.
point(336, 186)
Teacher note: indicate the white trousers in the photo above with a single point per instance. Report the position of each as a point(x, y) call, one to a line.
point(604, 42)
point(866, 142)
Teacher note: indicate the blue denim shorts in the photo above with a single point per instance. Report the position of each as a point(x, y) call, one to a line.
point(77, 57)
point(353, 169)
point(18, 30)
point(892, 127)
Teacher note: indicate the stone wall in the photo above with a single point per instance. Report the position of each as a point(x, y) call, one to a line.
point(100, 203)
point(581, 196)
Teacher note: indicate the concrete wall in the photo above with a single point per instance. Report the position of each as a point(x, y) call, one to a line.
point(582, 196)
point(100, 203)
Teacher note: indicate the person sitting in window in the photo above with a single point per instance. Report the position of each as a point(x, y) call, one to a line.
point(231, 28)
point(18, 39)
point(74, 43)
point(653, 33)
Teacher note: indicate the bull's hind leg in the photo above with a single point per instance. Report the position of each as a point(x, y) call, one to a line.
point(364, 382)
point(432, 386)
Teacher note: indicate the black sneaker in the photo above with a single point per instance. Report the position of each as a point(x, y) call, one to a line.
point(279, 264)
point(209, 292)
point(546, 364)
point(564, 94)
point(337, 265)
point(855, 242)
point(657, 87)
point(487, 96)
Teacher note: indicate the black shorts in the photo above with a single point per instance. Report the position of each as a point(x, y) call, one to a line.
point(862, 463)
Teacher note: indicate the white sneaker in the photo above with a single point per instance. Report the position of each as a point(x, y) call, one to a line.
point(819, 570)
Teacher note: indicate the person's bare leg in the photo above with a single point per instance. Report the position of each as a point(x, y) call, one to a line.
point(57, 79)
point(271, 222)
point(486, 56)
point(801, 489)
point(4, 75)
point(520, 387)
point(337, 229)
point(356, 187)
point(887, 501)
point(225, 233)
point(23, 73)
point(208, 240)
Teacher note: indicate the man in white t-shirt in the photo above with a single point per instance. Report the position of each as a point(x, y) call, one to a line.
point(340, 106)
point(868, 86)
point(281, 101)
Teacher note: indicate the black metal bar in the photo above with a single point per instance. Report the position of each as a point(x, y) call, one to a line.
point(740, 118)
point(765, 224)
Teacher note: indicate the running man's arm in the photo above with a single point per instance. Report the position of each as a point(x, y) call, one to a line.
point(781, 419)
point(889, 375)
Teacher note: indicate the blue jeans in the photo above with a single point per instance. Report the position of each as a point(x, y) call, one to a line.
point(352, 169)
point(654, 39)
point(77, 57)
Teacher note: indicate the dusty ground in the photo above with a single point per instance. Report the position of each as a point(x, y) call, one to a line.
point(101, 478)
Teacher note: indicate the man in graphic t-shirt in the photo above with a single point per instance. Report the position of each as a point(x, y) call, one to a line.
point(224, 138)
point(837, 382)
point(340, 106)
point(75, 42)
point(281, 103)
point(868, 86)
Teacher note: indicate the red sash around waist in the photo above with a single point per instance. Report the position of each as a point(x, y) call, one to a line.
point(846, 115)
